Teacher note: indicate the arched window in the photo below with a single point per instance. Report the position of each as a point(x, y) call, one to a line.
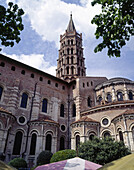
point(79, 71)
point(61, 71)
point(1, 91)
point(82, 72)
point(120, 135)
point(68, 42)
point(72, 59)
point(77, 141)
point(2, 64)
point(67, 60)
point(72, 50)
point(106, 134)
point(24, 100)
point(74, 110)
point(72, 70)
point(68, 51)
point(84, 85)
point(48, 142)
point(89, 102)
point(33, 144)
point(71, 42)
point(100, 99)
point(109, 98)
point(62, 143)
point(62, 110)
point(130, 94)
point(78, 60)
point(17, 143)
point(77, 52)
point(67, 70)
point(133, 133)
point(91, 136)
point(81, 62)
point(60, 63)
point(119, 96)
point(44, 105)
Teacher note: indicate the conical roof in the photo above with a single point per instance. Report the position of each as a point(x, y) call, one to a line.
point(71, 26)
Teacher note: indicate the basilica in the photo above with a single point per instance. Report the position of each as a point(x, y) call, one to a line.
point(39, 111)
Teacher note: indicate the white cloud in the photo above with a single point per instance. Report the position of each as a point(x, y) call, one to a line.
point(49, 18)
point(36, 61)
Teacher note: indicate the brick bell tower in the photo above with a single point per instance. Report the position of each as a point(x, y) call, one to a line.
point(71, 61)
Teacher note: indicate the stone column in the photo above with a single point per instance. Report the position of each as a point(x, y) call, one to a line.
point(36, 104)
point(113, 94)
point(125, 92)
point(103, 94)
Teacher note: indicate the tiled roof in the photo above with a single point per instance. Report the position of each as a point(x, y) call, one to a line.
point(85, 119)
point(5, 111)
point(104, 106)
point(113, 81)
point(126, 112)
point(44, 118)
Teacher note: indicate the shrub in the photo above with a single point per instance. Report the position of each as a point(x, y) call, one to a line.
point(18, 163)
point(63, 155)
point(44, 157)
point(102, 151)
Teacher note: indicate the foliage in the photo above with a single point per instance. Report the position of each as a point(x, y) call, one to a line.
point(10, 24)
point(102, 151)
point(18, 163)
point(44, 157)
point(115, 24)
point(63, 155)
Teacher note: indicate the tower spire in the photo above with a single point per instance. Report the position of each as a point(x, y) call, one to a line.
point(71, 26)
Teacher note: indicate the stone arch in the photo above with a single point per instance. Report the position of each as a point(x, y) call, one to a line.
point(130, 95)
point(119, 94)
point(18, 141)
point(106, 130)
point(62, 142)
point(44, 105)
point(91, 133)
point(119, 127)
point(33, 143)
point(48, 145)
point(34, 131)
point(109, 97)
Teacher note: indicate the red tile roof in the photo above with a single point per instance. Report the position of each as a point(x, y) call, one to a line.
point(5, 111)
point(85, 119)
point(44, 118)
point(126, 112)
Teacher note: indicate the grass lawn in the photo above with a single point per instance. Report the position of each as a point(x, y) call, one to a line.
point(124, 163)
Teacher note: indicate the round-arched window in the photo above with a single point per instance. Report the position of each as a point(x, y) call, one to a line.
point(119, 96)
point(106, 134)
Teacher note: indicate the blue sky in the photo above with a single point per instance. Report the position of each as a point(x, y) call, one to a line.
point(45, 20)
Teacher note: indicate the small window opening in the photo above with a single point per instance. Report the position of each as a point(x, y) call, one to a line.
point(2, 64)
point(32, 75)
point(41, 79)
point(49, 82)
point(23, 72)
point(13, 68)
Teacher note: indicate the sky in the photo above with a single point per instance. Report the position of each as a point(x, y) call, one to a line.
point(45, 20)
